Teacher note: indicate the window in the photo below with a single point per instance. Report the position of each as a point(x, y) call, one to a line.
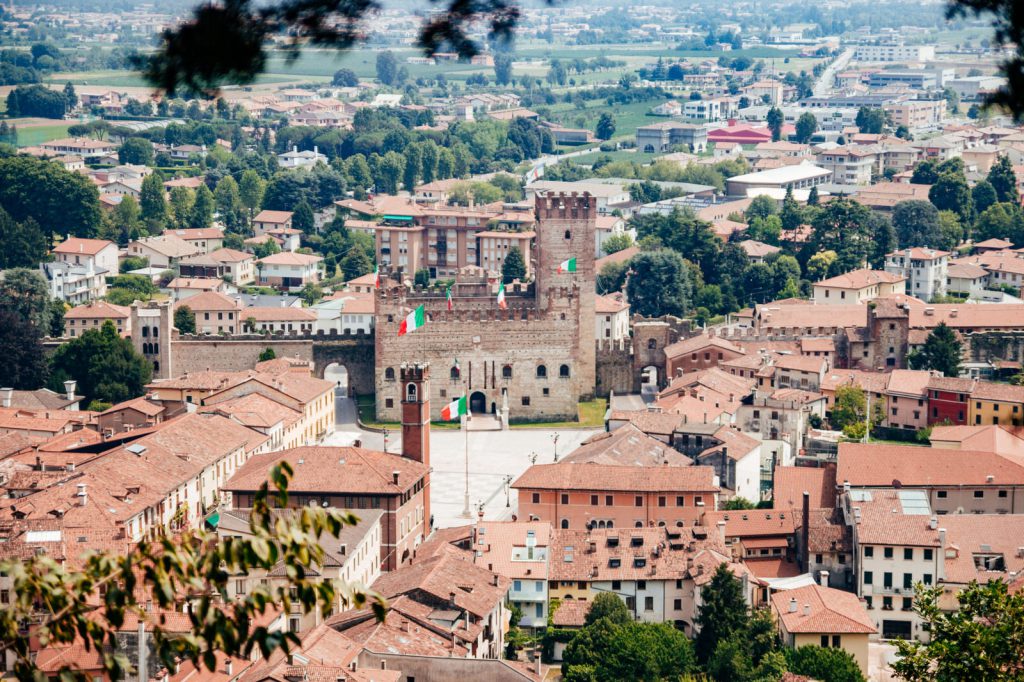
point(389, 374)
point(563, 371)
point(979, 494)
point(454, 372)
point(927, 554)
point(639, 500)
point(926, 578)
point(824, 641)
point(908, 603)
point(565, 524)
point(680, 500)
point(410, 393)
point(887, 579)
point(817, 558)
point(616, 585)
point(389, 402)
point(941, 494)
point(887, 552)
point(565, 498)
point(517, 585)
point(641, 584)
point(525, 401)
point(609, 500)
point(677, 604)
point(652, 344)
point(536, 498)
point(506, 372)
point(648, 603)
point(542, 372)
point(869, 577)
point(908, 553)
point(593, 500)
point(908, 580)
point(836, 641)
point(661, 500)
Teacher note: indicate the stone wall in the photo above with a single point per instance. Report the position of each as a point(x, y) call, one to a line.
point(232, 353)
point(615, 367)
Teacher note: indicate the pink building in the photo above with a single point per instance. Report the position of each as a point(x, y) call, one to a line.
point(907, 393)
point(572, 495)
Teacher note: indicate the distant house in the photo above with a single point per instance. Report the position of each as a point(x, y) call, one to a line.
point(163, 251)
point(288, 271)
point(92, 316)
point(237, 266)
point(265, 221)
point(303, 159)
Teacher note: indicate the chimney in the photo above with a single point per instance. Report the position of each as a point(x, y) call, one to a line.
point(394, 477)
point(807, 609)
point(805, 532)
point(69, 466)
point(69, 388)
point(942, 542)
point(228, 667)
point(721, 531)
point(792, 605)
point(5, 396)
point(83, 496)
point(824, 578)
point(451, 598)
point(933, 523)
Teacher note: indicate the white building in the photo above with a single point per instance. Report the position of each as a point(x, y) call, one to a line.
point(288, 271)
point(894, 53)
point(297, 159)
point(925, 270)
point(612, 318)
point(801, 176)
point(100, 254)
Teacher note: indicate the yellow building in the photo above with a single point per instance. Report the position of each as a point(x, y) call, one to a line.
point(821, 616)
point(993, 403)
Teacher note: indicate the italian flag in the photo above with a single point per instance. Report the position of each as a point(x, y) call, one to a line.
point(501, 296)
point(448, 296)
point(567, 266)
point(454, 409)
point(412, 321)
point(376, 277)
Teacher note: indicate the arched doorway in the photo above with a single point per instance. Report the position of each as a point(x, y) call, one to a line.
point(338, 375)
point(478, 403)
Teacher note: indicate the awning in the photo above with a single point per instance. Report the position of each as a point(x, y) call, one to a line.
point(213, 519)
point(404, 218)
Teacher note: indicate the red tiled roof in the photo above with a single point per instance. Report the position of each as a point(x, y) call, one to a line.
point(333, 470)
point(869, 465)
point(825, 610)
point(573, 476)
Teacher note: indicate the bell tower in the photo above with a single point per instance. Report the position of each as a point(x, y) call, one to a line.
point(416, 426)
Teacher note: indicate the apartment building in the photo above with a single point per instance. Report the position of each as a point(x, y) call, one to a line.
point(519, 551)
point(858, 286)
point(924, 269)
point(238, 267)
point(612, 313)
point(163, 251)
point(894, 53)
point(289, 271)
point(850, 165)
point(92, 316)
point(215, 313)
point(661, 137)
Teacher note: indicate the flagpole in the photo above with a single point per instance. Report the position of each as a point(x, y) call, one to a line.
point(466, 513)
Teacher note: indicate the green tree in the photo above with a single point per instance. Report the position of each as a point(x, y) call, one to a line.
point(126, 220)
point(823, 663)
point(152, 204)
point(356, 264)
point(148, 576)
point(984, 195)
point(202, 207)
point(761, 206)
point(267, 354)
point(24, 292)
point(605, 127)
point(514, 267)
point(250, 191)
point(821, 265)
point(413, 161)
point(311, 293)
point(421, 277)
point(611, 278)
point(1004, 180)
point(605, 651)
point(126, 289)
point(916, 224)
point(502, 69)
point(951, 232)
point(952, 193)
point(389, 171)
point(617, 242)
point(24, 244)
point(104, 364)
point(870, 120)
point(806, 126)
point(35, 100)
point(345, 78)
point(722, 613)
point(1000, 221)
point(25, 365)
point(791, 216)
point(182, 200)
point(978, 640)
point(941, 351)
point(136, 150)
point(843, 226)
point(185, 319)
point(70, 96)
point(387, 67)
point(608, 605)
point(812, 196)
point(738, 503)
point(228, 202)
point(925, 173)
point(302, 218)
point(775, 122)
point(850, 408)
point(661, 284)
point(60, 201)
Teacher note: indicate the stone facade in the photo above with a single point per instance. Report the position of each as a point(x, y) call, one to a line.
point(537, 356)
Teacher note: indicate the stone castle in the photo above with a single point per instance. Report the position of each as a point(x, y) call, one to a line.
point(537, 357)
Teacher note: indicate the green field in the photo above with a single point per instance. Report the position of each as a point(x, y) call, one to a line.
point(28, 137)
point(628, 117)
point(131, 79)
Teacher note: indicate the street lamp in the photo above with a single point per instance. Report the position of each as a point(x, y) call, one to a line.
point(385, 441)
point(555, 438)
point(508, 487)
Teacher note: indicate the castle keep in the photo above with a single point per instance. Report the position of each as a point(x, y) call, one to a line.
point(537, 356)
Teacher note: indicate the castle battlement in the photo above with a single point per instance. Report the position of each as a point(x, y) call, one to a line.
point(572, 206)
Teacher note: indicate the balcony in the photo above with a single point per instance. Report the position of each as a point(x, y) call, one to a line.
point(892, 590)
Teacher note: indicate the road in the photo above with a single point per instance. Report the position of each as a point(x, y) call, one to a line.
point(536, 171)
point(823, 86)
point(494, 459)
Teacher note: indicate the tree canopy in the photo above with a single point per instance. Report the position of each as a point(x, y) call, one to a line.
point(941, 351)
point(104, 364)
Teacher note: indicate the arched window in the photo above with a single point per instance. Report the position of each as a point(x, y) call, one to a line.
point(389, 374)
point(639, 524)
point(410, 393)
point(600, 524)
point(565, 524)
point(611, 524)
point(145, 332)
point(454, 372)
point(652, 343)
point(563, 371)
point(156, 348)
point(568, 234)
point(156, 366)
point(506, 372)
point(156, 332)
point(542, 372)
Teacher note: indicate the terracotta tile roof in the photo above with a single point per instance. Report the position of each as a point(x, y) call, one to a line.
point(860, 279)
point(867, 465)
point(969, 535)
point(208, 380)
point(965, 271)
point(290, 258)
point(698, 344)
point(70, 441)
point(908, 382)
point(169, 245)
point(618, 257)
point(752, 523)
point(790, 482)
point(271, 314)
point(827, 531)
point(502, 547)
point(141, 404)
point(951, 384)
point(333, 470)
point(815, 609)
point(255, 411)
point(229, 256)
point(571, 613)
point(990, 390)
point(771, 316)
point(627, 446)
point(90, 247)
point(883, 520)
point(320, 648)
point(98, 309)
point(266, 216)
point(203, 283)
point(818, 345)
point(738, 445)
point(606, 305)
point(572, 476)
point(756, 249)
point(210, 301)
point(714, 378)
point(648, 421)
point(990, 438)
point(802, 363)
point(199, 233)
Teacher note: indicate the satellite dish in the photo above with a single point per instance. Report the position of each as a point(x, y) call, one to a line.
point(896, 483)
